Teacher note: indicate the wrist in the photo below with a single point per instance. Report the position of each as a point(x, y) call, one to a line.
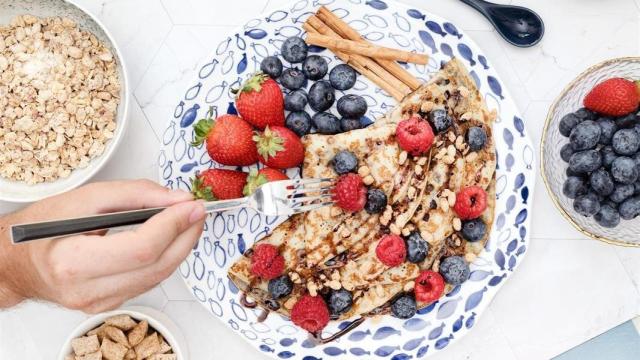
point(11, 275)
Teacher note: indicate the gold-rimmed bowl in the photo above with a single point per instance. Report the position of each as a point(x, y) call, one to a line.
point(627, 233)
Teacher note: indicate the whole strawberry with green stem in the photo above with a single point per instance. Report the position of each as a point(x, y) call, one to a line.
point(229, 139)
point(218, 184)
point(260, 177)
point(614, 97)
point(260, 102)
point(279, 147)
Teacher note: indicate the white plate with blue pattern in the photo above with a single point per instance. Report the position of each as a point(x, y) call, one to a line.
point(227, 235)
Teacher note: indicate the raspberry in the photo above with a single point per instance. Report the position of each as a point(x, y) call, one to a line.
point(310, 313)
point(429, 286)
point(391, 250)
point(350, 192)
point(470, 202)
point(414, 135)
point(266, 261)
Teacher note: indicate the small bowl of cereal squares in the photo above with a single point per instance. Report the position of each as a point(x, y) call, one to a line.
point(133, 333)
point(63, 98)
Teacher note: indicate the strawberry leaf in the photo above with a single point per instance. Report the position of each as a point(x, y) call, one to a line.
point(254, 181)
point(201, 191)
point(202, 128)
point(269, 143)
point(254, 83)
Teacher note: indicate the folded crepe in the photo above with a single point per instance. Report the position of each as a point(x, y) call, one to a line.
point(327, 245)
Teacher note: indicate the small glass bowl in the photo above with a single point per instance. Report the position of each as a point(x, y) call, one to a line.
point(627, 233)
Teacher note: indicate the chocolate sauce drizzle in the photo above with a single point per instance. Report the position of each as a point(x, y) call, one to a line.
point(317, 336)
point(245, 302)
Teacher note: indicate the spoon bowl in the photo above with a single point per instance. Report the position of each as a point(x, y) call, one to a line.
point(518, 25)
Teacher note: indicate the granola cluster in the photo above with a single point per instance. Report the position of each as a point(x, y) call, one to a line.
point(59, 92)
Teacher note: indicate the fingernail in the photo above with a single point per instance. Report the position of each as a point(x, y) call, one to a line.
point(197, 213)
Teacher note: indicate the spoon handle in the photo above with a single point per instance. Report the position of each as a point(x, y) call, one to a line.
point(477, 4)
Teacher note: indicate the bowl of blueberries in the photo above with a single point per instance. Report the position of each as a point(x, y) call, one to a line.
point(590, 152)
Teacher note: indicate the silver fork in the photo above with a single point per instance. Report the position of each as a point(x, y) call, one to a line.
point(285, 197)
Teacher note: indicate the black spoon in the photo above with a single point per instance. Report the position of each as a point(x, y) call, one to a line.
point(518, 25)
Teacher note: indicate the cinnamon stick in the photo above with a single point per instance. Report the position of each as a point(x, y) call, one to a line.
point(349, 59)
point(365, 49)
point(344, 30)
point(368, 63)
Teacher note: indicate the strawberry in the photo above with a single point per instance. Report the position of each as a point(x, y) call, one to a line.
point(260, 101)
point(279, 148)
point(614, 97)
point(229, 139)
point(414, 135)
point(260, 177)
point(218, 184)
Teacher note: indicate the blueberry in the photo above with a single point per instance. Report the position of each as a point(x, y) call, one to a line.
point(476, 138)
point(315, 67)
point(326, 123)
point(567, 123)
point(352, 106)
point(585, 161)
point(295, 100)
point(440, 120)
point(474, 230)
point(294, 49)
point(627, 121)
point(376, 201)
point(417, 247)
point(292, 79)
point(607, 217)
point(587, 204)
point(570, 172)
point(636, 128)
point(344, 162)
point(624, 170)
point(636, 158)
point(608, 155)
point(404, 307)
point(574, 186)
point(622, 192)
point(626, 142)
point(342, 77)
point(339, 301)
point(347, 124)
point(602, 182)
point(454, 270)
point(608, 202)
point(271, 66)
point(566, 151)
point(299, 122)
point(630, 208)
point(585, 135)
point(321, 96)
point(280, 286)
point(586, 114)
point(608, 127)
point(636, 188)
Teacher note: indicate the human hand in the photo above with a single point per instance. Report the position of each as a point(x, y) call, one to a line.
point(97, 271)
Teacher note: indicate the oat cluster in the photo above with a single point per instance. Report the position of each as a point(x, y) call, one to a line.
point(59, 92)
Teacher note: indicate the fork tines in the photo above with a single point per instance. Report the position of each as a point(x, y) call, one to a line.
point(310, 194)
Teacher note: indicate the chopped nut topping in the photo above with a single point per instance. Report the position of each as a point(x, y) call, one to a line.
point(402, 158)
point(422, 161)
point(364, 171)
point(409, 286)
point(457, 224)
point(368, 180)
point(471, 157)
point(394, 229)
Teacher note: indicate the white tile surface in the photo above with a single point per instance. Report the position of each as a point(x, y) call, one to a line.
point(567, 290)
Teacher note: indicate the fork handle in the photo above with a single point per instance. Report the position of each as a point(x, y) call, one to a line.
point(47, 229)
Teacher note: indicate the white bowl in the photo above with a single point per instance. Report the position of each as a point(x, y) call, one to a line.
point(19, 191)
point(157, 320)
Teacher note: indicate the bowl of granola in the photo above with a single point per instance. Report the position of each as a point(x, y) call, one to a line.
point(135, 332)
point(63, 98)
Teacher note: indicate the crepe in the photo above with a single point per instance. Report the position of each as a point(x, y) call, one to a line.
point(328, 245)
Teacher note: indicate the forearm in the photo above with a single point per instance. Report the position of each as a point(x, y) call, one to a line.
point(12, 279)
